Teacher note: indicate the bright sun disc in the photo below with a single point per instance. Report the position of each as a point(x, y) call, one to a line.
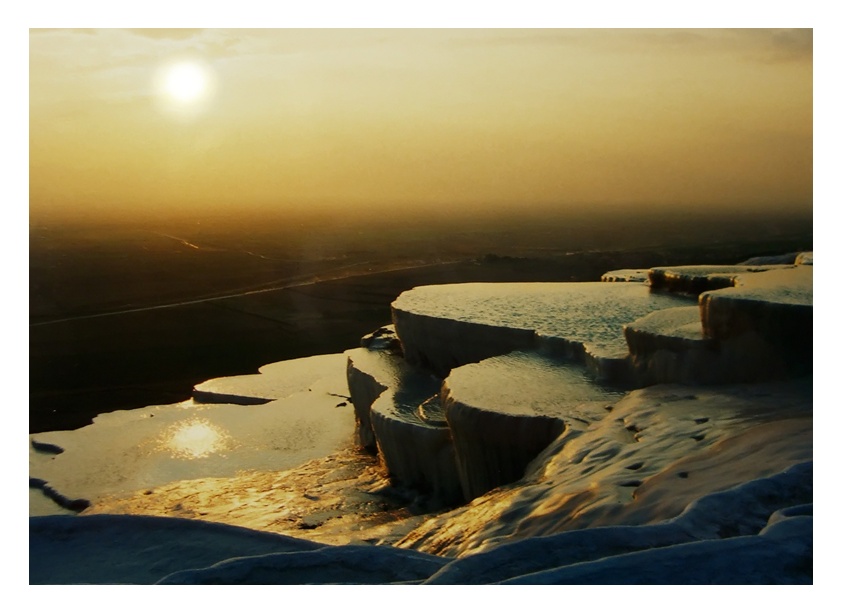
point(184, 88)
point(185, 82)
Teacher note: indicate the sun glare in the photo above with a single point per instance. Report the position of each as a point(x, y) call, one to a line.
point(184, 87)
point(186, 82)
point(195, 438)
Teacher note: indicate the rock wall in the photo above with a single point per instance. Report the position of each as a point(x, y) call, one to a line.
point(606, 364)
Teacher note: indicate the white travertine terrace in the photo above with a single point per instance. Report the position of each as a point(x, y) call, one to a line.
point(504, 411)
point(631, 275)
point(388, 395)
point(274, 381)
point(756, 326)
point(442, 327)
point(775, 308)
point(570, 481)
point(670, 346)
point(657, 450)
point(666, 338)
point(694, 279)
point(127, 450)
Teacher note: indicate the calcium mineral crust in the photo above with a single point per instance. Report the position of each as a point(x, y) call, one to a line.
point(656, 429)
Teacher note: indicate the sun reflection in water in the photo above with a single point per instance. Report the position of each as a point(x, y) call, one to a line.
point(195, 438)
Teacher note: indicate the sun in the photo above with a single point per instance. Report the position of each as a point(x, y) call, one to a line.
point(184, 87)
point(186, 82)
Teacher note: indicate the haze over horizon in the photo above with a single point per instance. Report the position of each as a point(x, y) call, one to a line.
point(136, 122)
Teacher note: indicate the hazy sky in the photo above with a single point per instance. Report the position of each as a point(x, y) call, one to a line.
point(419, 118)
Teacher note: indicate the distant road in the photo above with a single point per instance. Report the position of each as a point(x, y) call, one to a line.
point(282, 286)
point(187, 243)
point(179, 239)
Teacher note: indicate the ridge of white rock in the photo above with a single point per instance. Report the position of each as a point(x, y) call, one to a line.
point(779, 555)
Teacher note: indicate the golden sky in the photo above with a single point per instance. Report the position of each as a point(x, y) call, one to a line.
point(419, 118)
